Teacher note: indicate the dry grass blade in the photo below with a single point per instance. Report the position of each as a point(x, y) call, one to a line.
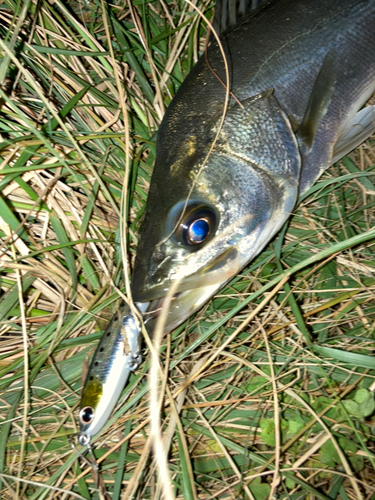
point(84, 86)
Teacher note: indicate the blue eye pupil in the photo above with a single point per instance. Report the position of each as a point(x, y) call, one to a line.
point(198, 231)
point(193, 226)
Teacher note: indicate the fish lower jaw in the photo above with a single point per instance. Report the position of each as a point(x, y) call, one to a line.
point(182, 306)
point(195, 290)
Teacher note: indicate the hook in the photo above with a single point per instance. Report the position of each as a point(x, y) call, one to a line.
point(84, 440)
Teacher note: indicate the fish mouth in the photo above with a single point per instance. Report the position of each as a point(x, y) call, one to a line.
point(182, 306)
point(191, 293)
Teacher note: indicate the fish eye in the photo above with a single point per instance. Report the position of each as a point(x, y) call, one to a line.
point(197, 232)
point(86, 415)
point(192, 224)
point(198, 224)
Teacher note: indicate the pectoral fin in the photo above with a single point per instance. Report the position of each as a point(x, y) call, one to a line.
point(319, 102)
point(357, 131)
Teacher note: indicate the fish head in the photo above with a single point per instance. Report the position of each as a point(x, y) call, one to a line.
point(208, 215)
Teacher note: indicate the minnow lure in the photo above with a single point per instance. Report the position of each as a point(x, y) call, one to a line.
point(117, 355)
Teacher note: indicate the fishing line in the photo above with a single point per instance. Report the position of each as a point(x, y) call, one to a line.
point(220, 80)
point(138, 27)
point(157, 396)
point(212, 69)
point(55, 153)
point(41, 198)
point(124, 198)
point(93, 464)
point(226, 102)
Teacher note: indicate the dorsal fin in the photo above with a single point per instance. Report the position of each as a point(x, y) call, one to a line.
point(229, 12)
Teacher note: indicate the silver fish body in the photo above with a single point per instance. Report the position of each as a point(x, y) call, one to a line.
point(299, 70)
point(117, 355)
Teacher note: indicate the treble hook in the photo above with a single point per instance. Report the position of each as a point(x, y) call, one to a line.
point(84, 440)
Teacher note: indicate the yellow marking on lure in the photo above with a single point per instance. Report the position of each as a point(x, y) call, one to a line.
point(92, 393)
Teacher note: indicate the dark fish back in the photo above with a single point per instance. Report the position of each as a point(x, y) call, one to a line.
point(283, 46)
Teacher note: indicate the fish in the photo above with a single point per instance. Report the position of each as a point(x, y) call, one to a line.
point(116, 356)
point(300, 72)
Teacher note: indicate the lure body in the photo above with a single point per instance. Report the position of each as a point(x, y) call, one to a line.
point(117, 355)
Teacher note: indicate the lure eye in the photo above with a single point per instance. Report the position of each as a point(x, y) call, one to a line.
point(86, 415)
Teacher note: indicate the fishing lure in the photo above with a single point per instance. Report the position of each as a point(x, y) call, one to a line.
point(117, 355)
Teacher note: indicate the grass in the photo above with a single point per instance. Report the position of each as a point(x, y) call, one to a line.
point(287, 406)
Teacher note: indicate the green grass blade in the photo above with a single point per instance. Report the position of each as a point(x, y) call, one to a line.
point(67, 251)
point(351, 358)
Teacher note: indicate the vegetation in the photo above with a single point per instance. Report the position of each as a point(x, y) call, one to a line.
point(286, 406)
